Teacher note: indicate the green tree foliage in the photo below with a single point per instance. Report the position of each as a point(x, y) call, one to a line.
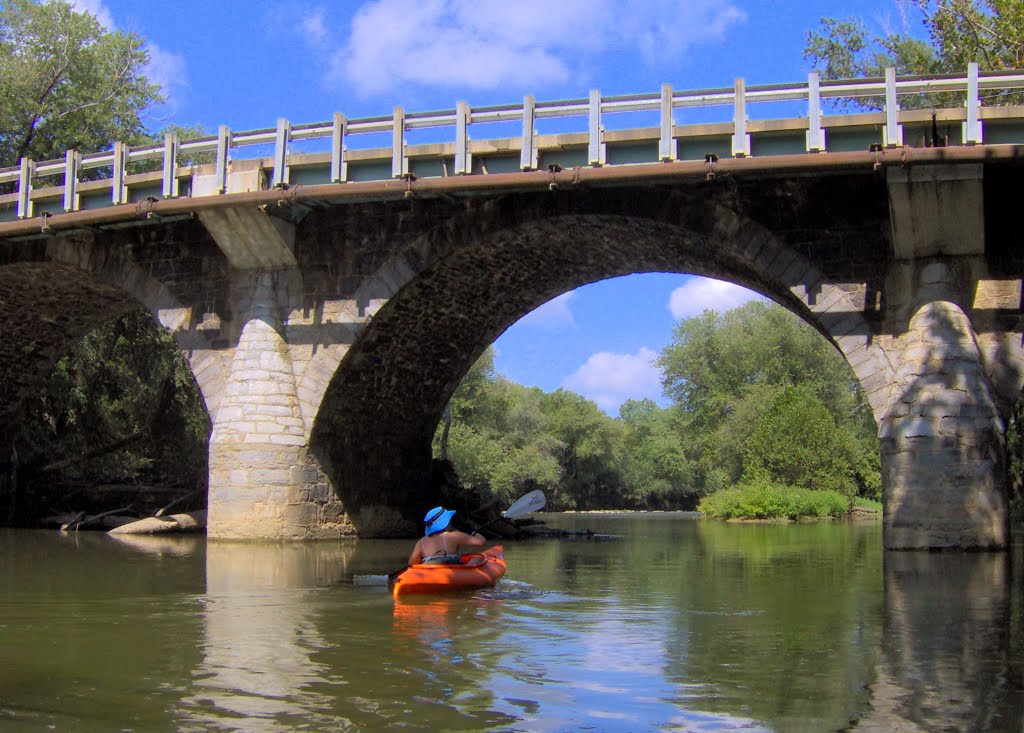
point(656, 470)
point(989, 32)
point(714, 359)
point(732, 374)
point(959, 32)
point(496, 441)
point(67, 83)
point(588, 446)
point(506, 439)
point(122, 408)
point(759, 396)
point(798, 443)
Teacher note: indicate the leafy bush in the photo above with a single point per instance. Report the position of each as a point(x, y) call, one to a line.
point(766, 500)
point(865, 503)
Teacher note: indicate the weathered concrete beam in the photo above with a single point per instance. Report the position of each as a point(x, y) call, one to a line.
point(250, 238)
point(936, 210)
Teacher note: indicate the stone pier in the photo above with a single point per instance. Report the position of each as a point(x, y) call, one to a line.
point(259, 483)
point(943, 442)
point(942, 430)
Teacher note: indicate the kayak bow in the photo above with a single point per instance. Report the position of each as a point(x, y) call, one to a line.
point(478, 570)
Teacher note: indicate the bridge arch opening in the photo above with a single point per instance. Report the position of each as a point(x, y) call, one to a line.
point(100, 408)
point(750, 375)
point(376, 421)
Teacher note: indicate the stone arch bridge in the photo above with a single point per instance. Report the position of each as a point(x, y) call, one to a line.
point(328, 324)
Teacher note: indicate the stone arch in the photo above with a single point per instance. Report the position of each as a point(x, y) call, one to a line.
point(438, 303)
point(47, 305)
point(113, 266)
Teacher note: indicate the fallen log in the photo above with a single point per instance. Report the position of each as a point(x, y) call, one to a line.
point(74, 520)
point(186, 522)
point(164, 509)
point(82, 521)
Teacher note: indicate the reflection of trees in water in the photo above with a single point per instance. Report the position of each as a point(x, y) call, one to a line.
point(683, 623)
point(777, 620)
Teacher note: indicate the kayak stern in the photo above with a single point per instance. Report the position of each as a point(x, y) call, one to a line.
point(478, 570)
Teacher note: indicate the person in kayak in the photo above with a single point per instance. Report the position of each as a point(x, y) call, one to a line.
point(440, 543)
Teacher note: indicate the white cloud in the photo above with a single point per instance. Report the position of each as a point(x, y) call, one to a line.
point(555, 315)
point(96, 8)
point(314, 27)
point(485, 44)
point(699, 294)
point(168, 70)
point(165, 68)
point(611, 379)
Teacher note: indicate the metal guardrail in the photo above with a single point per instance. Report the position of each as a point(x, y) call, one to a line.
point(340, 131)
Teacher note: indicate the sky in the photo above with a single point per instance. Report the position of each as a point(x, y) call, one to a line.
point(247, 63)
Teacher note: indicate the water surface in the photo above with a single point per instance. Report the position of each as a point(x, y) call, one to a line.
point(658, 622)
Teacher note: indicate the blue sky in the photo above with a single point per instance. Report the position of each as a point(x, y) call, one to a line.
point(244, 64)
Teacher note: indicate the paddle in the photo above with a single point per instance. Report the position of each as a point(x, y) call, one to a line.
point(526, 504)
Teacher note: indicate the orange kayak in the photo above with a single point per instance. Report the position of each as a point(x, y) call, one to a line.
point(478, 570)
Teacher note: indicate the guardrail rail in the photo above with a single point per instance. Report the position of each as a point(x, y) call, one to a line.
point(239, 163)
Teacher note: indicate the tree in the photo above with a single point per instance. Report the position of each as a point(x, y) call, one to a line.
point(121, 408)
point(588, 449)
point(68, 83)
point(796, 442)
point(714, 359)
point(656, 470)
point(987, 32)
point(727, 374)
point(505, 438)
point(496, 438)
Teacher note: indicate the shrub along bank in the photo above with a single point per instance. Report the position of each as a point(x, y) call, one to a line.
point(766, 500)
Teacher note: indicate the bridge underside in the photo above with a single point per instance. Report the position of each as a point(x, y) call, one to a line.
point(326, 373)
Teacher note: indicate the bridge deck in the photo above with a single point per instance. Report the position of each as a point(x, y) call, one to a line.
point(434, 145)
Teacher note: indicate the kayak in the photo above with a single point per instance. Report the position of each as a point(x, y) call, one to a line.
point(478, 570)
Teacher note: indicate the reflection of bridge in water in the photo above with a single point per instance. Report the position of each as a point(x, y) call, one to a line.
point(329, 298)
point(948, 617)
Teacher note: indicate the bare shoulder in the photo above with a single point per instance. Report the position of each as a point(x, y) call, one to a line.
point(470, 539)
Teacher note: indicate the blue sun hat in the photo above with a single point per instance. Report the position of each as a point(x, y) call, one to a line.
point(437, 519)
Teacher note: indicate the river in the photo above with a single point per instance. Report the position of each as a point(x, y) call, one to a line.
point(658, 622)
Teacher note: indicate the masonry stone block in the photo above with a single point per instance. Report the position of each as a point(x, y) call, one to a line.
point(875, 382)
point(303, 515)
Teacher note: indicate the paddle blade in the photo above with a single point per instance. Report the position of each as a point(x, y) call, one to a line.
point(370, 580)
point(527, 504)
